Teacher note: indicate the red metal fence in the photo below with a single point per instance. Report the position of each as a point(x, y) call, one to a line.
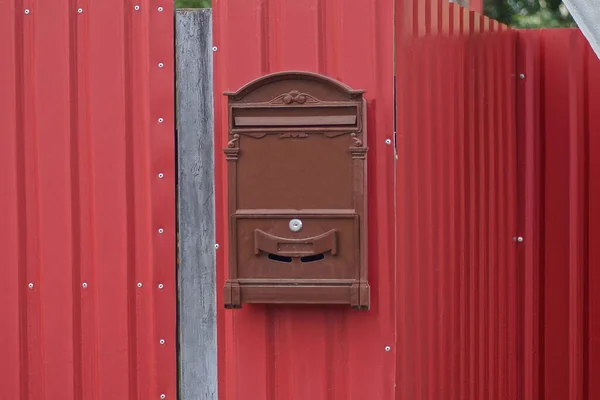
point(484, 220)
point(457, 283)
point(559, 141)
point(283, 352)
point(87, 238)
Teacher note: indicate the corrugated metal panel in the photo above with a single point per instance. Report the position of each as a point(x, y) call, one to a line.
point(457, 277)
point(560, 103)
point(81, 201)
point(283, 352)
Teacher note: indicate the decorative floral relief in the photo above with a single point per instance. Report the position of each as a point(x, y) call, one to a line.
point(295, 96)
point(232, 143)
point(357, 141)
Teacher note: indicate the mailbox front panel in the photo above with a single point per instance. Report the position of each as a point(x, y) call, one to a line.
point(297, 192)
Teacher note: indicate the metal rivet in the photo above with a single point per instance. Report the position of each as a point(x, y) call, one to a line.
point(163, 396)
point(161, 230)
point(162, 341)
point(522, 76)
point(214, 48)
point(160, 65)
point(27, 11)
point(388, 348)
point(84, 285)
point(160, 9)
point(520, 239)
point(160, 286)
point(388, 141)
point(217, 246)
point(136, 8)
point(30, 285)
point(161, 175)
point(161, 120)
point(139, 284)
point(80, 10)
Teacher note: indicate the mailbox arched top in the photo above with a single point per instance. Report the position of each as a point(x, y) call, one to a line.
point(297, 76)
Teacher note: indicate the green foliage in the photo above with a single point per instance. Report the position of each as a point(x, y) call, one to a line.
point(192, 3)
point(530, 13)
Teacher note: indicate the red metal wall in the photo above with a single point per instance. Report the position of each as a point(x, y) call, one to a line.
point(286, 352)
point(81, 201)
point(559, 100)
point(457, 277)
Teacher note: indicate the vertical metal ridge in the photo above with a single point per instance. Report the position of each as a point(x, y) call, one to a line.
point(271, 356)
point(436, 251)
point(426, 183)
point(143, 131)
point(462, 270)
point(32, 206)
point(577, 256)
point(21, 199)
point(11, 311)
point(333, 20)
point(440, 258)
point(265, 42)
point(74, 121)
point(493, 281)
point(130, 279)
point(503, 235)
point(87, 196)
point(417, 235)
point(470, 207)
point(593, 229)
point(322, 35)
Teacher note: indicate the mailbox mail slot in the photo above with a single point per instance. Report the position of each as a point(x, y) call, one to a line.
point(297, 192)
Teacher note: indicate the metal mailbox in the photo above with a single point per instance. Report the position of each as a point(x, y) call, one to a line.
point(297, 195)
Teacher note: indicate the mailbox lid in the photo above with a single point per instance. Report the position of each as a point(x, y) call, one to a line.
point(326, 247)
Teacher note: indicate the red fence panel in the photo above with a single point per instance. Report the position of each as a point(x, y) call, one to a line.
point(288, 352)
point(87, 244)
point(457, 275)
point(559, 155)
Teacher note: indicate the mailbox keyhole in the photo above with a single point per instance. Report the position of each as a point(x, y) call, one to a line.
point(276, 257)
point(313, 258)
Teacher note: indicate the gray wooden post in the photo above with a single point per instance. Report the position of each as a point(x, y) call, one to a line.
point(196, 270)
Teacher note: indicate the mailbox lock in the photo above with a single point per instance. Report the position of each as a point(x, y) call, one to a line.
point(295, 225)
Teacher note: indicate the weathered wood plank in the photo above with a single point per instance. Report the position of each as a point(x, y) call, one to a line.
point(196, 270)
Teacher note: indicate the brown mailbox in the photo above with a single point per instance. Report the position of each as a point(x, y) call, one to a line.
point(297, 192)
